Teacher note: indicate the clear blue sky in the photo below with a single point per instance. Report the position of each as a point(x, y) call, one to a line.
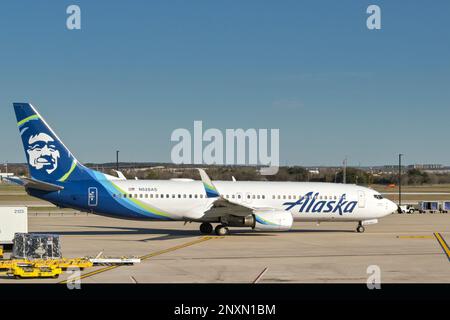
point(139, 69)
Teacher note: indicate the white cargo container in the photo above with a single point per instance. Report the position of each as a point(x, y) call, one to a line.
point(12, 220)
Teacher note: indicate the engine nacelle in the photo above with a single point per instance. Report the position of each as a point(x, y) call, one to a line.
point(273, 220)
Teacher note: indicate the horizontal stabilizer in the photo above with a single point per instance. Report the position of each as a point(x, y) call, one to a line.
point(35, 184)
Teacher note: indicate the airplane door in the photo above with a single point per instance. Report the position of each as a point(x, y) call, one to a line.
point(92, 197)
point(361, 199)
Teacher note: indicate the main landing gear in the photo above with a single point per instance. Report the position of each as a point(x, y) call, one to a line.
point(207, 228)
point(360, 228)
point(221, 230)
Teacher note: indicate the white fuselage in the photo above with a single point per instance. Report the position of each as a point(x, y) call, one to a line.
point(307, 201)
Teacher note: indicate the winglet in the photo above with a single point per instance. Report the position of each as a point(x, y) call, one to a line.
point(211, 191)
point(120, 175)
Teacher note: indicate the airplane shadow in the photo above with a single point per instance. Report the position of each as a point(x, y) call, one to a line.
point(165, 234)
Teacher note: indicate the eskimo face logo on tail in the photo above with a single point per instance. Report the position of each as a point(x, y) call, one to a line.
point(42, 152)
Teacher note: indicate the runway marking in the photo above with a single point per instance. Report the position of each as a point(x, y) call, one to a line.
point(415, 237)
point(145, 257)
point(260, 275)
point(443, 244)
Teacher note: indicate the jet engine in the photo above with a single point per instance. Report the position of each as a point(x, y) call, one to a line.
point(273, 220)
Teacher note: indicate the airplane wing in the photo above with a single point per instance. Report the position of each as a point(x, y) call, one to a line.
point(34, 184)
point(222, 206)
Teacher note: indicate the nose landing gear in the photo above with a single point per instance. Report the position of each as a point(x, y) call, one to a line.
point(360, 228)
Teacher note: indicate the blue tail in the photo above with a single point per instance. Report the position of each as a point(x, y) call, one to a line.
point(47, 157)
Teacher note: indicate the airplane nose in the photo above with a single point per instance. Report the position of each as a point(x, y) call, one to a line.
point(391, 207)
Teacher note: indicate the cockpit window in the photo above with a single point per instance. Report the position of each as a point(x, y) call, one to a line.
point(378, 196)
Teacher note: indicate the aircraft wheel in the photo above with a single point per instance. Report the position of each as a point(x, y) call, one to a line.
point(221, 230)
point(206, 228)
point(360, 229)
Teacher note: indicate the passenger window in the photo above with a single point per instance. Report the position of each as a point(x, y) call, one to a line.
point(201, 196)
point(195, 196)
point(258, 196)
point(263, 196)
point(190, 196)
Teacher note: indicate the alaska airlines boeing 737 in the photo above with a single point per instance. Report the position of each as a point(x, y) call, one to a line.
point(56, 176)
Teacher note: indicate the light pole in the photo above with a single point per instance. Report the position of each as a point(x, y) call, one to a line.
point(345, 171)
point(400, 179)
point(117, 160)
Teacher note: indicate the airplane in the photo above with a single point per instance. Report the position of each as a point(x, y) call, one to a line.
point(58, 177)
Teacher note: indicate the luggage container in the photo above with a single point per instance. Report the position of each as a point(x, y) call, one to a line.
point(428, 206)
point(445, 207)
point(12, 221)
point(36, 246)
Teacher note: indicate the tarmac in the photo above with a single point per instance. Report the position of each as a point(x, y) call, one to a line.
point(404, 247)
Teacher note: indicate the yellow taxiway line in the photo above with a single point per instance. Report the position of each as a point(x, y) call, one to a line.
point(145, 257)
point(415, 237)
point(443, 244)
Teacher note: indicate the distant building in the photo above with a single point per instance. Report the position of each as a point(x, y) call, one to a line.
point(426, 166)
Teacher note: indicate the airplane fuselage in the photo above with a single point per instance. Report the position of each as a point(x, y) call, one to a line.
point(187, 201)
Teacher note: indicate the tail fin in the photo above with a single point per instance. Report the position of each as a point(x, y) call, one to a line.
point(47, 157)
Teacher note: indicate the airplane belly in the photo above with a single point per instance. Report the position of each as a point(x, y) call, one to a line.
point(328, 216)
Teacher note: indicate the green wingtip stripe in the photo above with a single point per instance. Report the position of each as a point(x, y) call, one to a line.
point(209, 187)
point(21, 122)
point(67, 174)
